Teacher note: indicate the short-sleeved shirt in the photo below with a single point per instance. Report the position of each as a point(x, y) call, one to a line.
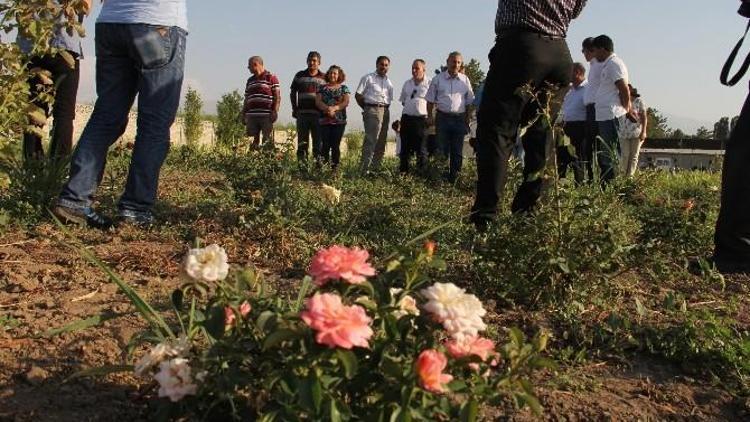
point(573, 109)
point(376, 89)
point(595, 75)
point(452, 94)
point(62, 39)
point(151, 12)
point(261, 94)
point(331, 96)
point(608, 105)
point(306, 86)
point(413, 97)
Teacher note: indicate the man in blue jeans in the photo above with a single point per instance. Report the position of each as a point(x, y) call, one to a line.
point(451, 93)
point(140, 49)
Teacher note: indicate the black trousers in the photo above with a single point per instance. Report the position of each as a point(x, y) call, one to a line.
point(413, 141)
point(517, 60)
point(576, 131)
point(63, 108)
point(592, 131)
point(732, 238)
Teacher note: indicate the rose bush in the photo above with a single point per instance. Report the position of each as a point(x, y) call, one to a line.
point(353, 346)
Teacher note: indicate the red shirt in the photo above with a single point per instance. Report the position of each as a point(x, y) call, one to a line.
point(261, 94)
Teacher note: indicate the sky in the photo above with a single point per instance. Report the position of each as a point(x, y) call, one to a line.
point(674, 49)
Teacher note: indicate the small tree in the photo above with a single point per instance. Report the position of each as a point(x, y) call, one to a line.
point(721, 129)
point(229, 128)
point(192, 119)
point(657, 125)
point(703, 133)
point(475, 73)
point(679, 134)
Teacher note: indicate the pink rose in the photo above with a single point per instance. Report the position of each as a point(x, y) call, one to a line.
point(471, 346)
point(230, 317)
point(430, 365)
point(337, 325)
point(341, 263)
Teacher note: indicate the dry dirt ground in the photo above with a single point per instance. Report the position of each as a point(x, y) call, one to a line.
point(45, 284)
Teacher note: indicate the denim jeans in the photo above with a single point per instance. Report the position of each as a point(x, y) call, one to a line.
point(331, 136)
point(132, 59)
point(608, 150)
point(308, 126)
point(451, 133)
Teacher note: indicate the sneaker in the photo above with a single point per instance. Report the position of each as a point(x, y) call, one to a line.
point(142, 219)
point(83, 217)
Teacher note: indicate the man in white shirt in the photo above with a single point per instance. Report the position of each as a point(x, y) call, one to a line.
point(574, 124)
point(452, 95)
point(592, 128)
point(414, 117)
point(374, 94)
point(612, 104)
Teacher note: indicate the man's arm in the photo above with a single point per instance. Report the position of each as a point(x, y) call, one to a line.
point(622, 86)
point(644, 124)
point(276, 102)
point(293, 98)
point(360, 99)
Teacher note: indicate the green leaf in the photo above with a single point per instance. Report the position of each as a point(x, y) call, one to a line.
point(469, 411)
point(517, 336)
point(349, 360)
point(266, 321)
point(303, 291)
point(215, 324)
point(278, 337)
point(100, 371)
point(392, 265)
point(82, 324)
point(335, 413)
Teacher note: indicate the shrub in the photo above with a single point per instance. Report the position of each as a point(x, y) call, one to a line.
point(230, 130)
point(562, 251)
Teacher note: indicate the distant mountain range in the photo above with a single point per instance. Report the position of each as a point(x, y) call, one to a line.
point(686, 124)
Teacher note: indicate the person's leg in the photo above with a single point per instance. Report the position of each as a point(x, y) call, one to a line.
point(304, 131)
point(732, 237)
point(608, 150)
point(267, 132)
point(315, 134)
point(536, 143)
point(116, 87)
point(336, 135)
point(32, 143)
point(420, 145)
point(407, 135)
point(64, 108)
point(160, 53)
point(372, 118)
point(626, 149)
point(635, 153)
point(592, 132)
point(576, 131)
point(514, 62)
point(326, 136)
point(385, 124)
point(457, 136)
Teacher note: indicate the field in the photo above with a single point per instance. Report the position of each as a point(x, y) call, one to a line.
point(634, 334)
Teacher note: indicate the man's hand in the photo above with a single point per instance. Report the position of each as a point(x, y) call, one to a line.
point(274, 116)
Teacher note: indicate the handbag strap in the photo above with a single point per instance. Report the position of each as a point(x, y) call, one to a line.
point(730, 62)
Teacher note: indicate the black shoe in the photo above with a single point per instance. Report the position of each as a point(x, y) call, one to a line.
point(141, 219)
point(83, 217)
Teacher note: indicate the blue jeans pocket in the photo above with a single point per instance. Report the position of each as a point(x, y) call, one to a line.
point(154, 45)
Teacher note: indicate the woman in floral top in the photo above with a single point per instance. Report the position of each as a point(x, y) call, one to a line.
point(332, 100)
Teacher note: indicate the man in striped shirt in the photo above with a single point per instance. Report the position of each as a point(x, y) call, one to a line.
point(530, 55)
point(304, 90)
point(262, 101)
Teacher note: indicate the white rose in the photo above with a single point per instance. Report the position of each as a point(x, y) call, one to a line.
point(175, 380)
point(331, 194)
point(407, 306)
point(207, 264)
point(161, 352)
point(459, 313)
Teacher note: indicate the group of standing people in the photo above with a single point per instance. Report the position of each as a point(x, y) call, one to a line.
point(602, 113)
point(319, 104)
